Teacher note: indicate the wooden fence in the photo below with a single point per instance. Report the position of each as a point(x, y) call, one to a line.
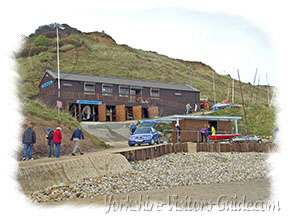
point(150, 152)
point(235, 147)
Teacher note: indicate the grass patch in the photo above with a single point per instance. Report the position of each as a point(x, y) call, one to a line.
point(260, 118)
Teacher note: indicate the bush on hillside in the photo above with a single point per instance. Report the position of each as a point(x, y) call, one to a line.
point(31, 50)
point(72, 41)
point(41, 40)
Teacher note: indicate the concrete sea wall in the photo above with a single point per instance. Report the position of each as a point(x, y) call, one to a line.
point(34, 176)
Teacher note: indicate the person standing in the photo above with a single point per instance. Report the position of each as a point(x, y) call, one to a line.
point(49, 138)
point(132, 128)
point(213, 130)
point(57, 138)
point(209, 132)
point(76, 136)
point(204, 133)
point(28, 139)
point(178, 133)
point(188, 108)
point(196, 108)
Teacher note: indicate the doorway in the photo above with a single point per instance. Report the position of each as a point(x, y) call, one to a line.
point(145, 113)
point(87, 112)
point(110, 113)
point(213, 124)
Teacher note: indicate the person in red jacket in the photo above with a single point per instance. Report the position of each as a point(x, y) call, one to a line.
point(57, 138)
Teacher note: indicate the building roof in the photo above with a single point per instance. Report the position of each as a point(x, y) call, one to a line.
point(121, 81)
point(199, 117)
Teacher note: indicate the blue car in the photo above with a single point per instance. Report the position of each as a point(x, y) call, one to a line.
point(148, 123)
point(144, 135)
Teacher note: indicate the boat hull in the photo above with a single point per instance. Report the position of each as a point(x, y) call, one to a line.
point(223, 136)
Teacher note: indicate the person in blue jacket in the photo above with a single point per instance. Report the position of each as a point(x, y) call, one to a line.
point(76, 137)
point(132, 128)
point(178, 133)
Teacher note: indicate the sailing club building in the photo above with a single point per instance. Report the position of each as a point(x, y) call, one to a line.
point(99, 98)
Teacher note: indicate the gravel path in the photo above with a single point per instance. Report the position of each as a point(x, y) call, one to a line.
point(166, 172)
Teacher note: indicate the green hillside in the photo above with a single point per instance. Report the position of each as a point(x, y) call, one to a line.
point(260, 118)
point(97, 53)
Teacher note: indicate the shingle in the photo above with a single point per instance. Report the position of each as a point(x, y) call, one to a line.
point(121, 81)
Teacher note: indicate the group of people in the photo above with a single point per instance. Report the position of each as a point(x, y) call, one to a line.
point(53, 138)
point(189, 108)
point(206, 132)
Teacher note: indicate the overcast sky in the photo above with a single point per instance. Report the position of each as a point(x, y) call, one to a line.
point(223, 41)
point(226, 38)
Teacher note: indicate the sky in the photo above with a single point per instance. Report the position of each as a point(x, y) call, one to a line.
point(227, 35)
point(222, 40)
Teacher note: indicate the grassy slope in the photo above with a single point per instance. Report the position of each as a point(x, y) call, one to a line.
point(98, 58)
point(260, 118)
point(42, 117)
point(105, 57)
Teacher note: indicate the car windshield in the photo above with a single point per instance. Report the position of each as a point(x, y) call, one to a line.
point(142, 130)
point(148, 124)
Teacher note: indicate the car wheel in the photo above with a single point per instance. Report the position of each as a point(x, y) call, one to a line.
point(152, 142)
point(131, 144)
point(260, 141)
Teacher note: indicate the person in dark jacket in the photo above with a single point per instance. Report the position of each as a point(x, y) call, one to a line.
point(132, 128)
point(209, 132)
point(178, 133)
point(76, 136)
point(49, 138)
point(204, 133)
point(28, 139)
point(57, 138)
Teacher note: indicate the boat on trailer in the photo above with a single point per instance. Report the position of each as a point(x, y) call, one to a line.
point(223, 136)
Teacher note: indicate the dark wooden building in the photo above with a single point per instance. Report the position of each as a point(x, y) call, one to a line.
point(191, 125)
point(98, 98)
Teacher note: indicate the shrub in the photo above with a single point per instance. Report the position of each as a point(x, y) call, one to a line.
point(72, 40)
point(31, 50)
point(67, 47)
point(46, 57)
point(41, 40)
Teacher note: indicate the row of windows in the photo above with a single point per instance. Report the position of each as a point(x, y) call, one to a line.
point(123, 91)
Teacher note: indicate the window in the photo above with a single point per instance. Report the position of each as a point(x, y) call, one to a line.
point(67, 85)
point(89, 87)
point(106, 90)
point(132, 92)
point(178, 94)
point(154, 92)
point(123, 91)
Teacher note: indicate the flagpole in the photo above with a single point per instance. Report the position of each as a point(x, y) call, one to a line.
point(58, 65)
point(58, 62)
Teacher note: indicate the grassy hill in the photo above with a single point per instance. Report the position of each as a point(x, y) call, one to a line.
point(260, 119)
point(98, 53)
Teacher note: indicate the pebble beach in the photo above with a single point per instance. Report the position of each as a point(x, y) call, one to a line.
point(168, 171)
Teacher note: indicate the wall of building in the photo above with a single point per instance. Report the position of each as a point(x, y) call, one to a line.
point(191, 129)
point(167, 104)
